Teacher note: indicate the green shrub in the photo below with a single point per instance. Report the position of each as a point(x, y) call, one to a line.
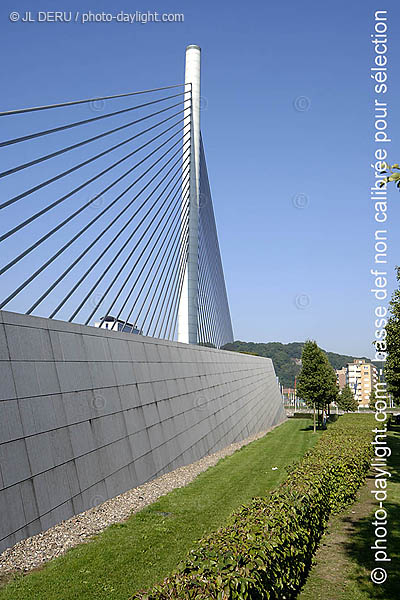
point(265, 550)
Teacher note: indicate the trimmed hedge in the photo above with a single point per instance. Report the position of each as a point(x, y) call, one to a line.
point(266, 548)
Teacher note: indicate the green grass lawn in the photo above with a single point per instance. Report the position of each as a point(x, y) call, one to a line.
point(135, 554)
point(344, 560)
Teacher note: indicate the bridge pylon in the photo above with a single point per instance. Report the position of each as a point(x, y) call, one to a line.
point(188, 304)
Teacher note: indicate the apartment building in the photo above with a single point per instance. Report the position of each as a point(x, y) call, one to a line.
point(353, 379)
point(361, 376)
point(369, 378)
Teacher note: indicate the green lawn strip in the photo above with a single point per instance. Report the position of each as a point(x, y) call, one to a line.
point(344, 560)
point(148, 546)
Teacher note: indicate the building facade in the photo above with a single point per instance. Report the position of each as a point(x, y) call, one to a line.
point(341, 375)
point(369, 378)
point(361, 376)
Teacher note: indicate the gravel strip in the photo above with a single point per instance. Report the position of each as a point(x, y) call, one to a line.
point(38, 549)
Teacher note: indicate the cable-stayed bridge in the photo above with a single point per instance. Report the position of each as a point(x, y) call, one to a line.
point(107, 210)
point(107, 219)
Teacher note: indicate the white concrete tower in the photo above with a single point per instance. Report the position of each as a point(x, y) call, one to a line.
point(188, 304)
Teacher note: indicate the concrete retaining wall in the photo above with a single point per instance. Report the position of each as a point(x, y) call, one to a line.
point(86, 414)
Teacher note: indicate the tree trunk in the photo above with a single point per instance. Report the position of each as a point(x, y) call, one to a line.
point(315, 431)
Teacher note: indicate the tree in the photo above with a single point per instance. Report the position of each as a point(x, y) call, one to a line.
point(313, 383)
point(392, 174)
point(392, 364)
point(332, 391)
point(346, 400)
point(372, 400)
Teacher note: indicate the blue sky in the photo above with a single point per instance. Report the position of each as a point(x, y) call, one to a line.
point(257, 59)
